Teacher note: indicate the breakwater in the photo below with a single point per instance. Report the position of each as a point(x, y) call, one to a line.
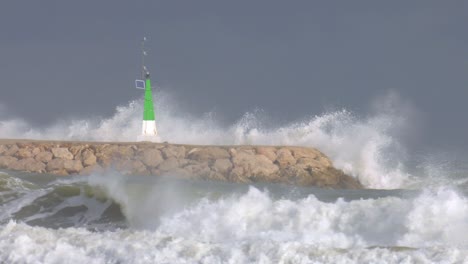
point(279, 164)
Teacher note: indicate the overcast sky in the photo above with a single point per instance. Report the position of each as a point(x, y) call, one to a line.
point(291, 58)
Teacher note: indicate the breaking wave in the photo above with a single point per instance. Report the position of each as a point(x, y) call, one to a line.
point(364, 147)
point(227, 223)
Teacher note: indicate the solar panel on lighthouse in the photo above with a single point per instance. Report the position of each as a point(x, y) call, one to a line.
point(140, 84)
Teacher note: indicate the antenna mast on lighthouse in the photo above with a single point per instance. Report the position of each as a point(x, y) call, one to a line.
point(149, 131)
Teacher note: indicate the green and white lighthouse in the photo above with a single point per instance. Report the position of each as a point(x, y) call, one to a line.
point(149, 131)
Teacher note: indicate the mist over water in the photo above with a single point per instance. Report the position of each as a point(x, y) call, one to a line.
point(251, 212)
point(178, 221)
point(364, 147)
point(410, 215)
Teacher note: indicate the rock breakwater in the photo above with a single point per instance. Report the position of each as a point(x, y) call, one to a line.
point(291, 165)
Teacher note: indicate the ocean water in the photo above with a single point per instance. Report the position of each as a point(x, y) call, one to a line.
point(408, 214)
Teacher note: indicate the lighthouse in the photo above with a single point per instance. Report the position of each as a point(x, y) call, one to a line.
point(149, 131)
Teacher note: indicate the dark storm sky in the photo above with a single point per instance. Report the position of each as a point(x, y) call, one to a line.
point(293, 59)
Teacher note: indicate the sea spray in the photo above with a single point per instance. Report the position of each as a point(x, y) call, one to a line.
point(362, 147)
point(434, 217)
point(248, 225)
point(389, 221)
point(144, 200)
point(26, 244)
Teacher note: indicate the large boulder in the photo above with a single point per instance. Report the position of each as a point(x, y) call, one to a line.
point(3, 149)
point(124, 152)
point(285, 158)
point(177, 152)
point(55, 164)
point(151, 157)
point(35, 151)
point(6, 161)
point(316, 165)
point(23, 153)
point(62, 153)
point(297, 175)
point(222, 166)
point(11, 150)
point(169, 164)
point(76, 150)
point(138, 167)
point(269, 152)
point(28, 164)
point(200, 169)
point(72, 166)
point(305, 153)
point(88, 158)
point(44, 156)
point(310, 155)
point(104, 154)
point(208, 154)
point(254, 166)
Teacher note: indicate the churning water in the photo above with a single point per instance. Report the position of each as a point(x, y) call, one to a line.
point(406, 216)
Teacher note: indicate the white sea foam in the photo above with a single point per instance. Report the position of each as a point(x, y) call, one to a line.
point(361, 146)
point(437, 217)
point(254, 228)
point(250, 226)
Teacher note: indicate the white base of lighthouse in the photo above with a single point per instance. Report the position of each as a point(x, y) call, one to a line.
point(149, 132)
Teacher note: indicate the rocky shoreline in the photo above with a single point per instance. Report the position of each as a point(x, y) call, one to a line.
point(290, 165)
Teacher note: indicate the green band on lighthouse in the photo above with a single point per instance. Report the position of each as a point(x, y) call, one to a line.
point(149, 132)
point(148, 113)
